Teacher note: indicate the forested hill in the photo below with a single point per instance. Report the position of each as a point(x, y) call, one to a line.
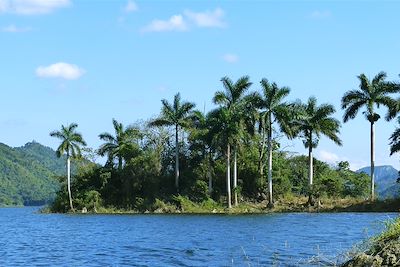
point(27, 174)
point(385, 180)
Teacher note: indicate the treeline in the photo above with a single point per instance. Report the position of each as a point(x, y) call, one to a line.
point(228, 155)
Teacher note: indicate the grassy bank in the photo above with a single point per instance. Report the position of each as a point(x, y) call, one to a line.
point(181, 204)
point(382, 250)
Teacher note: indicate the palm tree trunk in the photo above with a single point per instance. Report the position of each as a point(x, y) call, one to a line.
point(176, 158)
point(261, 156)
point(372, 162)
point(69, 183)
point(310, 172)
point(119, 163)
point(228, 175)
point(270, 202)
point(210, 185)
point(235, 176)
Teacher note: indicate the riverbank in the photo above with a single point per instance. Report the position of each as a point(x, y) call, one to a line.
point(382, 250)
point(182, 205)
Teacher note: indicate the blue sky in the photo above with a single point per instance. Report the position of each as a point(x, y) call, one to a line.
point(66, 61)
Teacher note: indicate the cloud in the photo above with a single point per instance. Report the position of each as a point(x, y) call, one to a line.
point(32, 7)
point(207, 18)
point(60, 70)
point(174, 23)
point(317, 14)
point(14, 29)
point(131, 6)
point(230, 58)
point(187, 20)
point(328, 157)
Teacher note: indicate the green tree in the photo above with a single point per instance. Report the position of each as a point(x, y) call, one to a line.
point(395, 139)
point(201, 140)
point(177, 114)
point(371, 94)
point(71, 143)
point(314, 122)
point(273, 109)
point(224, 131)
point(233, 99)
point(120, 145)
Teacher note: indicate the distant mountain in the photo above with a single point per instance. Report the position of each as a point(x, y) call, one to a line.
point(385, 180)
point(27, 174)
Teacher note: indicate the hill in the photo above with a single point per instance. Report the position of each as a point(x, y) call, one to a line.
point(385, 180)
point(27, 174)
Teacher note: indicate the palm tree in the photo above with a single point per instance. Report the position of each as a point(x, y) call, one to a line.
point(232, 99)
point(314, 122)
point(224, 131)
point(71, 143)
point(116, 147)
point(371, 93)
point(273, 110)
point(178, 115)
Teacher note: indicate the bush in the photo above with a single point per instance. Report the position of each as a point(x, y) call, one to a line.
point(199, 191)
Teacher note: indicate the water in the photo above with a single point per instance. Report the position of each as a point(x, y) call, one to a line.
point(30, 239)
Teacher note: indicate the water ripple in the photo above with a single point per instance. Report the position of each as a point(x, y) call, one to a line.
point(30, 239)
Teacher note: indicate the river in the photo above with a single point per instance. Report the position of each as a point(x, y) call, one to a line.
point(292, 239)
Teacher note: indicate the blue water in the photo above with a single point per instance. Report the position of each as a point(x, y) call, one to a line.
point(31, 239)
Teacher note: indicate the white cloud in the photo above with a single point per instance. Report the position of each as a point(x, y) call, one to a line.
point(32, 7)
point(207, 18)
point(230, 58)
point(328, 157)
point(60, 70)
point(131, 6)
point(317, 14)
point(187, 20)
point(175, 23)
point(14, 29)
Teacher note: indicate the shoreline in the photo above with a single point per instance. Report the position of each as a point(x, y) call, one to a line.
point(249, 208)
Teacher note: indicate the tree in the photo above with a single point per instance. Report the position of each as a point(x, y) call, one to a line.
point(178, 115)
point(223, 129)
point(273, 109)
point(118, 146)
point(201, 139)
point(314, 122)
point(371, 94)
point(395, 140)
point(71, 142)
point(232, 99)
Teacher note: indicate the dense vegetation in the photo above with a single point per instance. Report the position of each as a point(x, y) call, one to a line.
point(185, 156)
point(28, 174)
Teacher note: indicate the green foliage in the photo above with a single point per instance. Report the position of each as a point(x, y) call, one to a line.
point(392, 231)
point(144, 177)
point(27, 174)
point(199, 191)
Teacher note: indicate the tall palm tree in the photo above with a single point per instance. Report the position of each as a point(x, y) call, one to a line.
point(273, 110)
point(224, 131)
point(314, 122)
point(232, 99)
point(371, 94)
point(71, 142)
point(177, 114)
point(116, 147)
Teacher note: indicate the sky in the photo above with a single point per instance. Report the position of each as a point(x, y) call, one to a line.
point(64, 61)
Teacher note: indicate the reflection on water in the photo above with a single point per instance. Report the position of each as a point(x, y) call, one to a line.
point(30, 239)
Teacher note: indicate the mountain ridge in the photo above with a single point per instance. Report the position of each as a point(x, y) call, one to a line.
point(385, 180)
point(27, 174)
